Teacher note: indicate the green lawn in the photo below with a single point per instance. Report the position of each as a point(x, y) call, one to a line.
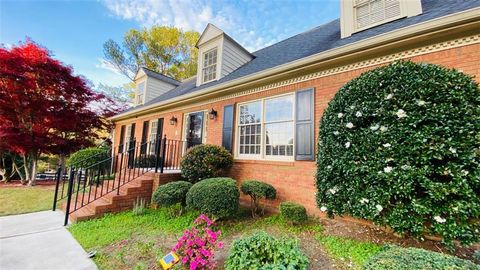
point(19, 200)
point(128, 241)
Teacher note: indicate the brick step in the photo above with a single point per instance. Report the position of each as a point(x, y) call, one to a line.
point(141, 187)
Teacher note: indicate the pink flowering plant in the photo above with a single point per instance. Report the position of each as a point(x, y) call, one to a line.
point(197, 245)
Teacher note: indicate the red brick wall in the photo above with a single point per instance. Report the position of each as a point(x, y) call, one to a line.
point(295, 180)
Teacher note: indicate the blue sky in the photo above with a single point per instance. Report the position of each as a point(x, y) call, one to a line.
point(75, 30)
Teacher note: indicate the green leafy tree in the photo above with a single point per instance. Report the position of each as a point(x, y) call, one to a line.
point(167, 50)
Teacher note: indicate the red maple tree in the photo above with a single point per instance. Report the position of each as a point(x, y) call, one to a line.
point(44, 107)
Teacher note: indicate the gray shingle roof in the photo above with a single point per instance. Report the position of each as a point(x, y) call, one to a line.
point(317, 40)
point(160, 76)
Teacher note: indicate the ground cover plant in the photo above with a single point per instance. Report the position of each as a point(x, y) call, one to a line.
point(399, 146)
point(23, 199)
point(205, 161)
point(263, 251)
point(398, 258)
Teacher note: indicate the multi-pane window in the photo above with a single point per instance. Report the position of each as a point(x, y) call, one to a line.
point(266, 128)
point(140, 93)
point(209, 68)
point(279, 126)
point(371, 12)
point(250, 128)
point(128, 138)
point(152, 138)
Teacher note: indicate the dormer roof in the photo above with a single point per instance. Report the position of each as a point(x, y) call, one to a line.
point(153, 74)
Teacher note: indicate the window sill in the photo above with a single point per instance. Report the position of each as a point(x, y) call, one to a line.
point(289, 163)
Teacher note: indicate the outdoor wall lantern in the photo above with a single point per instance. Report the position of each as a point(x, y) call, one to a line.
point(173, 120)
point(212, 114)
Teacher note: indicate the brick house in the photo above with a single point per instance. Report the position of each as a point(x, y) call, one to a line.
point(265, 106)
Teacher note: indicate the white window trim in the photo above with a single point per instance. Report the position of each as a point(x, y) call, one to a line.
point(151, 143)
point(216, 65)
point(184, 127)
point(262, 155)
point(144, 92)
point(358, 29)
point(348, 25)
point(126, 139)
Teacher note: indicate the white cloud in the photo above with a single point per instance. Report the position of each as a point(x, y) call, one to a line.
point(104, 64)
point(238, 22)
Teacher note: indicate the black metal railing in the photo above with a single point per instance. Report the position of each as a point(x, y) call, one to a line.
point(86, 182)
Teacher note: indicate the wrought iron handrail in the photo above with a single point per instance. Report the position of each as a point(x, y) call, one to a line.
point(89, 183)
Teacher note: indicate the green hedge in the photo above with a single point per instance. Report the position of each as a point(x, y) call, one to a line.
point(205, 161)
point(172, 193)
point(218, 197)
point(88, 156)
point(399, 145)
point(293, 212)
point(258, 190)
point(398, 258)
point(262, 251)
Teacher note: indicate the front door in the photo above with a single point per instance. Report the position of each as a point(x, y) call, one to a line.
point(194, 130)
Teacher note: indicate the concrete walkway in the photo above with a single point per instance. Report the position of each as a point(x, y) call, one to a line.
point(39, 241)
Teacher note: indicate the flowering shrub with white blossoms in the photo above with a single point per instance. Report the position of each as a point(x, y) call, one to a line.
point(400, 145)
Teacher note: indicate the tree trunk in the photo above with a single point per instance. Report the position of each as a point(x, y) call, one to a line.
point(30, 163)
point(17, 169)
point(62, 164)
point(3, 170)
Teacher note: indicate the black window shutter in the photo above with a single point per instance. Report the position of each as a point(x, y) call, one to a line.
point(304, 125)
point(143, 147)
point(122, 137)
point(160, 128)
point(227, 131)
point(132, 137)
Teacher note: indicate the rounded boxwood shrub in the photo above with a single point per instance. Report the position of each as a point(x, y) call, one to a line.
point(258, 190)
point(218, 197)
point(294, 212)
point(205, 161)
point(88, 156)
point(400, 145)
point(398, 258)
point(172, 193)
point(262, 251)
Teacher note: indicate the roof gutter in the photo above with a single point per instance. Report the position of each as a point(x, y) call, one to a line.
point(428, 27)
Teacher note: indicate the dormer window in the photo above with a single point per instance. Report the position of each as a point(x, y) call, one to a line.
point(371, 12)
point(358, 15)
point(140, 93)
point(209, 70)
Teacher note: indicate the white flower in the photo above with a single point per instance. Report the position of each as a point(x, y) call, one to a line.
point(465, 172)
point(383, 128)
point(387, 169)
point(453, 150)
point(336, 133)
point(347, 145)
point(401, 113)
point(379, 207)
point(358, 114)
point(349, 125)
point(420, 102)
point(323, 209)
point(333, 190)
point(389, 96)
point(439, 219)
point(340, 115)
point(386, 145)
point(375, 127)
point(389, 159)
point(364, 201)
